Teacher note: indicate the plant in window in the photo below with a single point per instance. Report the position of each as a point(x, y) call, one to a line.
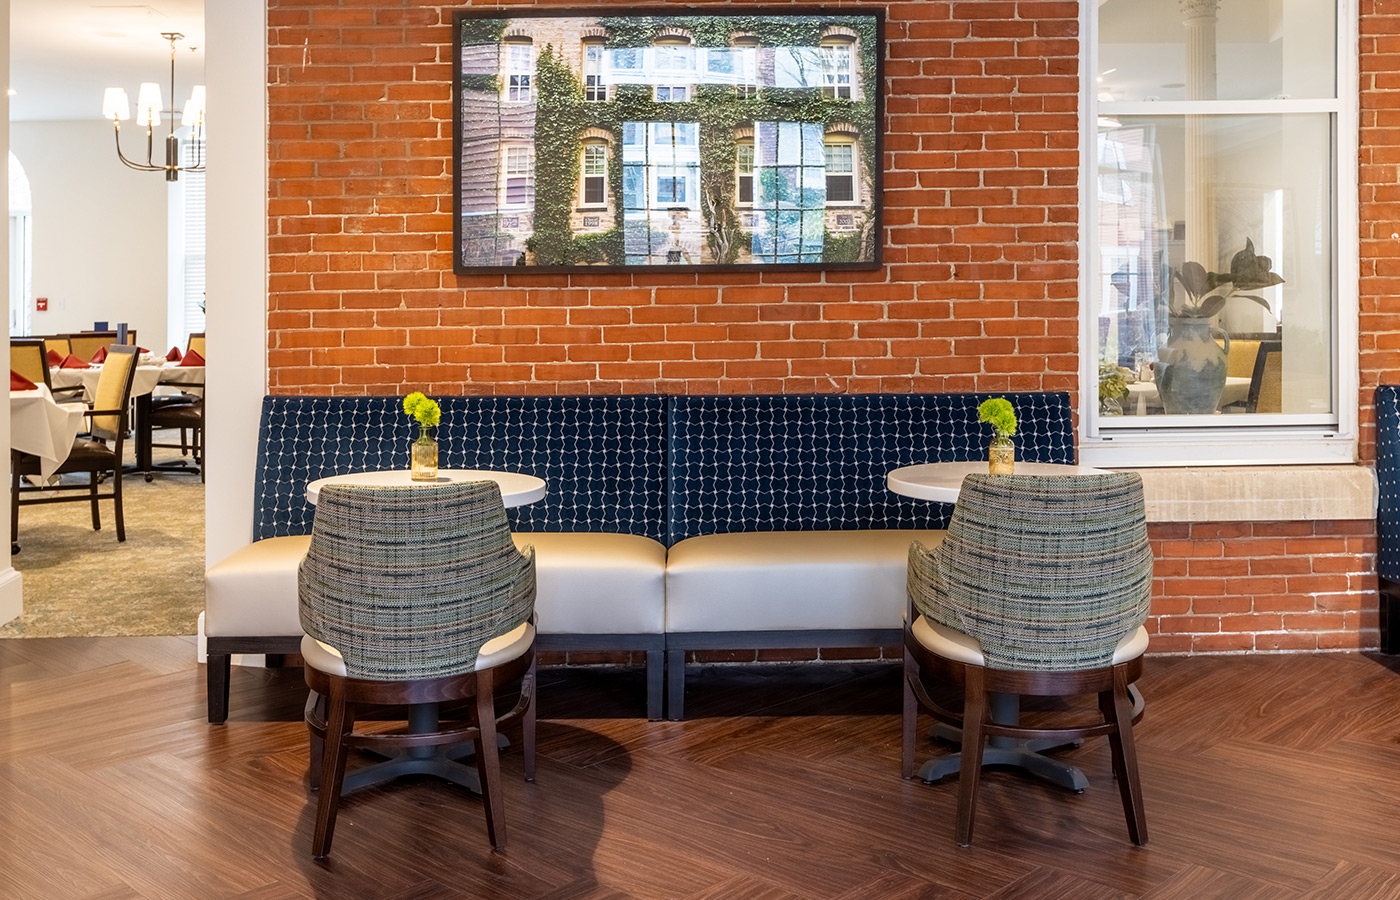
point(1193, 368)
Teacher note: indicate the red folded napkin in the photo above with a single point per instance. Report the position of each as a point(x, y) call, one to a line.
point(142, 350)
point(173, 355)
point(19, 383)
point(72, 362)
point(55, 359)
point(192, 359)
point(100, 355)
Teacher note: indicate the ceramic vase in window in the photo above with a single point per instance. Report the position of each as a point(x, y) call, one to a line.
point(1191, 373)
point(1001, 456)
point(424, 457)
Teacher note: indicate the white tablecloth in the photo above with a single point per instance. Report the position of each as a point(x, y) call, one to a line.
point(44, 428)
point(142, 383)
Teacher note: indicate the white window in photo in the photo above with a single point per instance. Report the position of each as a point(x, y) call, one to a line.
point(743, 172)
point(840, 172)
point(595, 89)
point(672, 70)
point(595, 175)
point(518, 178)
point(520, 71)
point(838, 67)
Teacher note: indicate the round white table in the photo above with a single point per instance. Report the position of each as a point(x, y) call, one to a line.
point(517, 489)
point(942, 481)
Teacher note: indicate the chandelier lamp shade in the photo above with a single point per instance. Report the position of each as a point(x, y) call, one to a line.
point(149, 108)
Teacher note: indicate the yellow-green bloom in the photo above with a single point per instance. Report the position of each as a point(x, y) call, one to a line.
point(999, 413)
point(421, 408)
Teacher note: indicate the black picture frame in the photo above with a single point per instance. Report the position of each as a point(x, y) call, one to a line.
point(650, 140)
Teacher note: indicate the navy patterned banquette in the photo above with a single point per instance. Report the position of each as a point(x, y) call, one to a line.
point(629, 477)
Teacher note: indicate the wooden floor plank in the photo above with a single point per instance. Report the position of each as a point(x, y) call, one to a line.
point(1264, 777)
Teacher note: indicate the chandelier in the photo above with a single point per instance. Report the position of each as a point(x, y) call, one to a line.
point(148, 112)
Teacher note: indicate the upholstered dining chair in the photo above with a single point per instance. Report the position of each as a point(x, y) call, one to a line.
point(196, 343)
point(28, 358)
point(58, 343)
point(96, 453)
point(184, 411)
point(415, 595)
point(1040, 588)
point(85, 344)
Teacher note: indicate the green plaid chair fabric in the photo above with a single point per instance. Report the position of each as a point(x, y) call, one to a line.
point(1047, 573)
point(407, 583)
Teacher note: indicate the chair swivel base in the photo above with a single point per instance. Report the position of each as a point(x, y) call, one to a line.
point(1025, 755)
point(441, 762)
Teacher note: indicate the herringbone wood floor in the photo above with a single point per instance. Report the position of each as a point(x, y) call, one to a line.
point(1265, 777)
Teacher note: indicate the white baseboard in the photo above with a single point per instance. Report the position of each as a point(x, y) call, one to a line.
point(11, 595)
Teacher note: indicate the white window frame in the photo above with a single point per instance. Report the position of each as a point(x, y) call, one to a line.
point(742, 172)
point(519, 79)
point(508, 172)
point(832, 86)
point(675, 82)
point(843, 141)
point(1275, 441)
point(585, 175)
point(595, 86)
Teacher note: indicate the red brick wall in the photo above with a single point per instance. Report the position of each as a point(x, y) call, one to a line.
point(978, 292)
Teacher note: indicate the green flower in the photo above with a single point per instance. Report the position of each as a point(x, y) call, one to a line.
point(421, 408)
point(1113, 381)
point(999, 413)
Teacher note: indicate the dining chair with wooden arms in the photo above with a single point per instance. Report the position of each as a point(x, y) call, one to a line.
point(97, 453)
point(187, 414)
point(1040, 588)
point(415, 596)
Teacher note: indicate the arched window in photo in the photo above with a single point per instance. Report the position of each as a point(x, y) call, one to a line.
point(840, 170)
point(519, 70)
point(672, 69)
point(838, 67)
point(594, 182)
point(595, 89)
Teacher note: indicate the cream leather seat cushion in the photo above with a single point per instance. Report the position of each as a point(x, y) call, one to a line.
point(952, 644)
point(778, 581)
point(500, 649)
point(253, 593)
point(598, 583)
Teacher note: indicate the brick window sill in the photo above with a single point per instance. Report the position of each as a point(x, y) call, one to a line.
point(1259, 493)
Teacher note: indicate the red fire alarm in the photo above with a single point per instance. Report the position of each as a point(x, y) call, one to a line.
point(41, 304)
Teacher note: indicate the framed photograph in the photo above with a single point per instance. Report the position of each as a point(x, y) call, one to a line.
point(647, 140)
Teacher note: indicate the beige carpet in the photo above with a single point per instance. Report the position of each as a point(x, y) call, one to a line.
point(80, 582)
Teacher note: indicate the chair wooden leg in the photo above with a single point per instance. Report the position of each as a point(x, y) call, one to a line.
point(92, 492)
point(315, 706)
point(340, 719)
point(117, 501)
point(973, 740)
point(1117, 708)
point(14, 501)
point(488, 760)
point(527, 724)
point(911, 717)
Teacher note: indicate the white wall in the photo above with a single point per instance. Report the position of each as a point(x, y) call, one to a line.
point(99, 229)
point(235, 70)
point(11, 584)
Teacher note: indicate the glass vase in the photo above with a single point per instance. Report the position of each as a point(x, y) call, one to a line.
point(423, 456)
point(1001, 456)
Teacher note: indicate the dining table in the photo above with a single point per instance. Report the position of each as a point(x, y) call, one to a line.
point(517, 489)
point(941, 482)
point(43, 427)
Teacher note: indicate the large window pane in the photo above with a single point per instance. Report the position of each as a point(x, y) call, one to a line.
point(1263, 49)
point(1173, 191)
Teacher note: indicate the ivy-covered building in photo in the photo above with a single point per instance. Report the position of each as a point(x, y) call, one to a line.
point(676, 140)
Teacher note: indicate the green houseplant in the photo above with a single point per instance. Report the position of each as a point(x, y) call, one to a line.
point(1191, 373)
point(423, 453)
point(1001, 453)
